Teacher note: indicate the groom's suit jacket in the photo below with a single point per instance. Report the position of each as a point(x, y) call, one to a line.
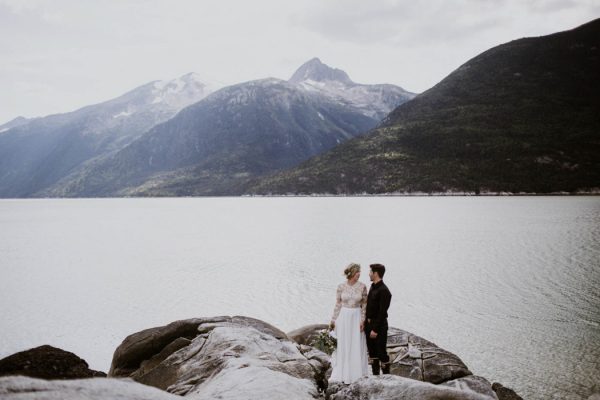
point(378, 302)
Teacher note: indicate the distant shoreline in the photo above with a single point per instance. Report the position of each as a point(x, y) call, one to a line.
point(424, 194)
point(401, 194)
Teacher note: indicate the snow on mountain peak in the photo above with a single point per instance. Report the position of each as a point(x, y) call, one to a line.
point(164, 98)
point(374, 101)
point(183, 91)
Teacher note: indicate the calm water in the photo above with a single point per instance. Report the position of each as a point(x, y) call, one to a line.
point(511, 285)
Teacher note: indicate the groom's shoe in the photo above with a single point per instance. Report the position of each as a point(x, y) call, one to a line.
point(385, 368)
point(375, 366)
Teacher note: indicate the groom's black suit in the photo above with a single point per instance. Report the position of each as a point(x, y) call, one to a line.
point(378, 302)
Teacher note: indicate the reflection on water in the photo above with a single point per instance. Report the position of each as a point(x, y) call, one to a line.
point(508, 284)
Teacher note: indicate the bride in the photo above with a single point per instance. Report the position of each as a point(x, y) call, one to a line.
point(350, 360)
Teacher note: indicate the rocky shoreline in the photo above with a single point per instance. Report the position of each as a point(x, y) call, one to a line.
point(594, 192)
point(234, 358)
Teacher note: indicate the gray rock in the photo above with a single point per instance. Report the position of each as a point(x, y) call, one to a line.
point(321, 362)
point(474, 383)
point(412, 356)
point(47, 362)
point(505, 393)
point(142, 346)
point(223, 357)
point(25, 388)
point(306, 334)
point(235, 358)
point(417, 358)
point(390, 387)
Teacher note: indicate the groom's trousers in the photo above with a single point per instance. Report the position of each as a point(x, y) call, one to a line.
point(378, 350)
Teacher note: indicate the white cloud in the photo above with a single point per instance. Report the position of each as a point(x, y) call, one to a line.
point(403, 22)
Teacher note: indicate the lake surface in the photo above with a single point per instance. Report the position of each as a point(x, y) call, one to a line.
point(509, 284)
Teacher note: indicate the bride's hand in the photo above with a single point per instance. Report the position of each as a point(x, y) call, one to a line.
point(332, 325)
point(362, 326)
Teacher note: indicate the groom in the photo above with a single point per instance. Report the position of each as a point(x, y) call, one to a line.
point(378, 302)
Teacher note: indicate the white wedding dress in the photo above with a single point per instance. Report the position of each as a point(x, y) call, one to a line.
point(350, 360)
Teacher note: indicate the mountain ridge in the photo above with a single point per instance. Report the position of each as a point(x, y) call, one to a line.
point(222, 139)
point(97, 150)
point(315, 70)
point(519, 117)
point(38, 152)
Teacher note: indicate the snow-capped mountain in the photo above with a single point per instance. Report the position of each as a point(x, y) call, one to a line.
point(216, 146)
point(374, 101)
point(315, 70)
point(181, 92)
point(36, 153)
point(162, 99)
point(140, 109)
point(184, 137)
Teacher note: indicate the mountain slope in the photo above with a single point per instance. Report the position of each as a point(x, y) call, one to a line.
point(14, 123)
point(36, 153)
point(520, 117)
point(217, 146)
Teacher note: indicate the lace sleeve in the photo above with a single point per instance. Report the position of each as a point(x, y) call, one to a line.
point(363, 304)
point(338, 303)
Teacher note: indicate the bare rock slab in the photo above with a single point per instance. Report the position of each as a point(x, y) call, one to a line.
point(26, 388)
point(413, 357)
point(390, 387)
point(221, 357)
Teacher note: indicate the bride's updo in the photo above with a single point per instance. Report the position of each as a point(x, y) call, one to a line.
point(351, 270)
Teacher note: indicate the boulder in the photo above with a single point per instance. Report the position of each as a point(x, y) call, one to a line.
point(25, 388)
point(321, 363)
point(233, 358)
point(505, 393)
point(47, 362)
point(306, 334)
point(413, 357)
point(153, 343)
point(473, 383)
point(223, 357)
point(391, 387)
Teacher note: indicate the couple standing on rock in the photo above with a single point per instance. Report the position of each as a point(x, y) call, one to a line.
point(360, 324)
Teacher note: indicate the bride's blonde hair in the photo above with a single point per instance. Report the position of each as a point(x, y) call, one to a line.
point(351, 270)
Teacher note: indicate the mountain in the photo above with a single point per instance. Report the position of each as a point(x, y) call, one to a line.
point(36, 153)
point(374, 101)
point(217, 145)
point(14, 123)
point(520, 117)
point(220, 144)
point(315, 70)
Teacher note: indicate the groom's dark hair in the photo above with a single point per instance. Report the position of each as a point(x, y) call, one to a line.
point(379, 268)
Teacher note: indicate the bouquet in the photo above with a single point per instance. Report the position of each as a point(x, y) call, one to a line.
point(325, 341)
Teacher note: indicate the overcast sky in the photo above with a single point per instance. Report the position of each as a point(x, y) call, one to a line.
point(59, 55)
